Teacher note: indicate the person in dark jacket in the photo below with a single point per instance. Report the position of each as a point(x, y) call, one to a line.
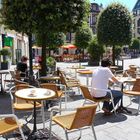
point(22, 66)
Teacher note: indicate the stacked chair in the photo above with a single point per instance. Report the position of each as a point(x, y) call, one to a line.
point(70, 83)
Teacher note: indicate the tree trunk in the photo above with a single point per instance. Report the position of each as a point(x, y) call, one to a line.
point(113, 55)
point(43, 58)
point(30, 55)
point(31, 77)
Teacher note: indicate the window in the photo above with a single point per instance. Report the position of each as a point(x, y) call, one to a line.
point(138, 23)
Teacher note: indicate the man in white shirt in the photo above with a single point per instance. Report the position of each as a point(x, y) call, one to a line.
point(100, 80)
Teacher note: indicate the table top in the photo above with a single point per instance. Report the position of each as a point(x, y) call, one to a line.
point(37, 67)
point(130, 92)
point(49, 78)
point(114, 67)
point(76, 67)
point(85, 71)
point(126, 79)
point(35, 94)
point(4, 71)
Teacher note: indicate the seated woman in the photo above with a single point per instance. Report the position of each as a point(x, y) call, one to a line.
point(22, 66)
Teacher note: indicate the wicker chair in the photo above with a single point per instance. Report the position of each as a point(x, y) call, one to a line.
point(87, 96)
point(83, 117)
point(58, 93)
point(134, 92)
point(70, 83)
point(8, 124)
point(21, 104)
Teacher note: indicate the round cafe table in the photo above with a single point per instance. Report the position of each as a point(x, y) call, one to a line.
point(35, 94)
point(124, 80)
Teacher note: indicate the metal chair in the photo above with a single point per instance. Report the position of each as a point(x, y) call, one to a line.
point(134, 92)
point(21, 104)
point(83, 117)
point(87, 96)
point(70, 83)
point(58, 92)
point(8, 124)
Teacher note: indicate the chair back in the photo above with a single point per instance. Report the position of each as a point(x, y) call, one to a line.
point(51, 86)
point(84, 116)
point(85, 92)
point(136, 86)
point(62, 78)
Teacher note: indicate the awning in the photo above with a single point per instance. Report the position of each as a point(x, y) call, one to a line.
point(36, 47)
point(70, 46)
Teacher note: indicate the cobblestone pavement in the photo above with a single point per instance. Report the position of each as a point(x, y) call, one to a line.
point(121, 127)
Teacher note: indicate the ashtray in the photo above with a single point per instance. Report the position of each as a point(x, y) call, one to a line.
point(32, 95)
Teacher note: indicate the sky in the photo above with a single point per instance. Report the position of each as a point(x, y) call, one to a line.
point(128, 3)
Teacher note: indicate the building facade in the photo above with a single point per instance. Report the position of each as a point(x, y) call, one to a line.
point(95, 10)
point(136, 13)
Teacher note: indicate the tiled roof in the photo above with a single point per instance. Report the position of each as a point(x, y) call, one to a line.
point(137, 6)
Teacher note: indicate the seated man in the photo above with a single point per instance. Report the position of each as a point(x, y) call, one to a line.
point(100, 80)
point(22, 66)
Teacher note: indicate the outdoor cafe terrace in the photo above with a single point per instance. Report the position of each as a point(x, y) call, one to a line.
point(115, 127)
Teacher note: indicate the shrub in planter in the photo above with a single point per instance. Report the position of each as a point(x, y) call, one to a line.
point(51, 63)
point(95, 51)
point(6, 54)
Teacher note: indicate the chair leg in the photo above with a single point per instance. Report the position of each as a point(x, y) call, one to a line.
point(22, 134)
point(94, 134)
point(66, 134)
point(80, 134)
point(113, 103)
point(66, 99)
point(84, 102)
point(50, 129)
point(139, 104)
point(60, 105)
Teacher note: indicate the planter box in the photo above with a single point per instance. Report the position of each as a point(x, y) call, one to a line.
point(4, 65)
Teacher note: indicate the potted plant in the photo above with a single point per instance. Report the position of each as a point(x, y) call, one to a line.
point(95, 52)
point(5, 52)
point(51, 63)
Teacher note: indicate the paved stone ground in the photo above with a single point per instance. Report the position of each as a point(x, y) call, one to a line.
point(121, 127)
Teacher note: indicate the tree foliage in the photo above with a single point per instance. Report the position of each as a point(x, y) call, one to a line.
point(83, 36)
point(118, 51)
point(18, 15)
point(114, 25)
point(54, 40)
point(135, 44)
point(41, 17)
point(95, 50)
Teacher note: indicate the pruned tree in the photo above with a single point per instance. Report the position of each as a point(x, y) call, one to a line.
point(114, 26)
point(43, 17)
point(18, 15)
point(53, 40)
point(95, 51)
point(135, 46)
point(83, 37)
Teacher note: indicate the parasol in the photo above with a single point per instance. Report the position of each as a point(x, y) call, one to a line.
point(70, 46)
